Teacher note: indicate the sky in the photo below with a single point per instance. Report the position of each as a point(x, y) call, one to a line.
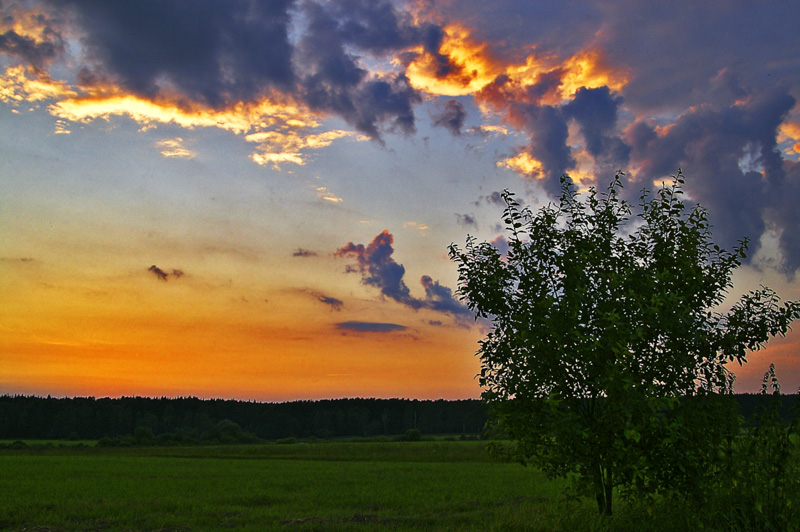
point(253, 199)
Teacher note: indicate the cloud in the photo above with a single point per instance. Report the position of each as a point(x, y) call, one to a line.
point(326, 195)
point(29, 35)
point(451, 116)
point(332, 302)
point(291, 146)
point(158, 272)
point(370, 327)
point(175, 149)
point(645, 88)
point(729, 153)
point(467, 220)
point(596, 112)
point(494, 198)
point(440, 298)
point(21, 84)
point(501, 243)
point(377, 268)
point(300, 252)
point(215, 54)
point(163, 275)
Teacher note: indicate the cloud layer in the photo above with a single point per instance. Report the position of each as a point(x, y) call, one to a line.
point(707, 87)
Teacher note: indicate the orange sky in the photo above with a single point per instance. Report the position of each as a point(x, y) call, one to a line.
point(238, 151)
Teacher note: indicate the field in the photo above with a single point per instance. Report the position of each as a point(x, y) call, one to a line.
point(300, 487)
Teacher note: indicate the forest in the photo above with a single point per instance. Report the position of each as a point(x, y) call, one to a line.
point(32, 417)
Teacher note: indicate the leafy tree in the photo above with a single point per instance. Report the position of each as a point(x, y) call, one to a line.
point(607, 354)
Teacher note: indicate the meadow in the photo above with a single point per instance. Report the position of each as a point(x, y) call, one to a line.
point(348, 486)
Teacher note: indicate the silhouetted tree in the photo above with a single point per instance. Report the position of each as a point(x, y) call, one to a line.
point(606, 354)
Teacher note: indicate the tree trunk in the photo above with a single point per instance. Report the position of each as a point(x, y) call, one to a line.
point(604, 490)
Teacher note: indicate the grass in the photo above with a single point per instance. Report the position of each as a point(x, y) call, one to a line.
point(327, 486)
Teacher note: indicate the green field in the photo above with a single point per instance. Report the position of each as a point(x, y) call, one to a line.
point(320, 486)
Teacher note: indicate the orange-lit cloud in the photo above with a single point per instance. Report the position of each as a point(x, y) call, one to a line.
point(523, 163)
point(288, 145)
point(790, 131)
point(238, 119)
point(175, 149)
point(280, 128)
point(20, 84)
point(326, 195)
point(473, 65)
point(27, 24)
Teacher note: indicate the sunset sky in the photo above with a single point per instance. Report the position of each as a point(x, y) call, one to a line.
point(253, 199)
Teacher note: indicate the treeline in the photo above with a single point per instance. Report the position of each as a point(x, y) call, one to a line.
point(89, 418)
point(30, 417)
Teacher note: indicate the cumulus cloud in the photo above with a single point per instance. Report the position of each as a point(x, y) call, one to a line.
point(216, 54)
point(729, 152)
point(596, 112)
point(370, 327)
point(377, 268)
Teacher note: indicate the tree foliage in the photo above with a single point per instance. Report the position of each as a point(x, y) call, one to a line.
point(608, 349)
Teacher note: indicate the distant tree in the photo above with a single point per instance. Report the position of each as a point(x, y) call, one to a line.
point(607, 354)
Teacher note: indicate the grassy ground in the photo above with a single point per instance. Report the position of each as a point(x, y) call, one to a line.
point(303, 487)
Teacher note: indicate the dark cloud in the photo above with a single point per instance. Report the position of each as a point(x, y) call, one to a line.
point(158, 272)
point(334, 82)
point(369, 326)
point(674, 52)
point(670, 51)
point(546, 125)
point(221, 54)
point(596, 111)
point(495, 198)
point(440, 298)
point(786, 216)
point(332, 302)
point(450, 116)
point(213, 53)
point(733, 166)
point(377, 268)
point(163, 275)
point(548, 132)
point(304, 253)
point(467, 220)
point(510, 24)
point(30, 51)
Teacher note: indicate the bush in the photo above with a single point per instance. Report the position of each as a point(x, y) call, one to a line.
point(412, 435)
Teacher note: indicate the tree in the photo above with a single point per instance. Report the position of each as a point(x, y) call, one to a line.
point(608, 349)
